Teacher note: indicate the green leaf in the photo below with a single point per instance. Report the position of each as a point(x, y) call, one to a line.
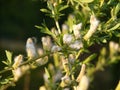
point(47, 72)
point(63, 7)
point(45, 10)
point(117, 9)
point(103, 39)
point(113, 13)
point(117, 34)
point(86, 1)
point(114, 28)
point(9, 56)
point(91, 57)
point(45, 30)
point(101, 2)
point(4, 81)
point(5, 62)
point(118, 86)
point(49, 5)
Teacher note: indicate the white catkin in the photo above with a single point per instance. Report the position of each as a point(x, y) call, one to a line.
point(55, 48)
point(76, 30)
point(47, 43)
point(93, 27)
point(84, 83)
point(65, 28)
point(17, 74)
point(17, 61)
point(114, 47)
point(30, 48)
point(76, 45)
point(67, 38)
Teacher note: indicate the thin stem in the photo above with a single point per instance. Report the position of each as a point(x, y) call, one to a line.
point(58, 27)
point(24, 63)
point(5, 70)
point(78, 54)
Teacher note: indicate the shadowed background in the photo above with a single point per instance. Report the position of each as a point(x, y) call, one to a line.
point(17, 21)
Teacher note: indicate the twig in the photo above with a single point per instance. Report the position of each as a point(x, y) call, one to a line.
point(24, 63)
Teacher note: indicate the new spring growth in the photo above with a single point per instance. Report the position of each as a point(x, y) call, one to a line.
point(114, 48)
point(43, 60)
point(40, 53)
point(82, 79)
point(54, 31)
point(76, 45)
point(67, 38)
point(42, 88)
point(55, 48)
point(17, 61)
point(118, 86)
point(47, 43)
point(17, 71)
point(76, 30)
point(30, 48)
point(57, 76)
point(17, 74)
point(82, 72)
point(65, 64)
point(84, 83)
point(65, 81)
point(71, 58)
point(93, 27)
point(65, 28)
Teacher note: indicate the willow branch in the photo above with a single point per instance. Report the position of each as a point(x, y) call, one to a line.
point(24, 63)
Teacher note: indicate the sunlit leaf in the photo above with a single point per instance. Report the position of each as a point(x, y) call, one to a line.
point(45, 10)
point(86, 1)
point(6, 63)
point(91, 57)
point(117, 34)
point(45, 30)
point(63, 7)
point(101, 2)
point(118, 86)
point(117, 9)
point(50, 6)
point(114, 28)
point(4, 81)
point(47, 72)
point(9, 56)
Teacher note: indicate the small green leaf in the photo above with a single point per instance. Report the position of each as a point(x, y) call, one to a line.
point(103, 39)
point(63, 7)
point(101, 2)
point(45, 10)
point(9, 57)
point(114, 28)
point(6, 63)
point(113, 13)
point(118, 86)
point(117, 9)
point(86, 1)
point(91, 57)
point(117, 34)
point(5, 81)
point(47, 72)
point(45, 30)
point(50, 6)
